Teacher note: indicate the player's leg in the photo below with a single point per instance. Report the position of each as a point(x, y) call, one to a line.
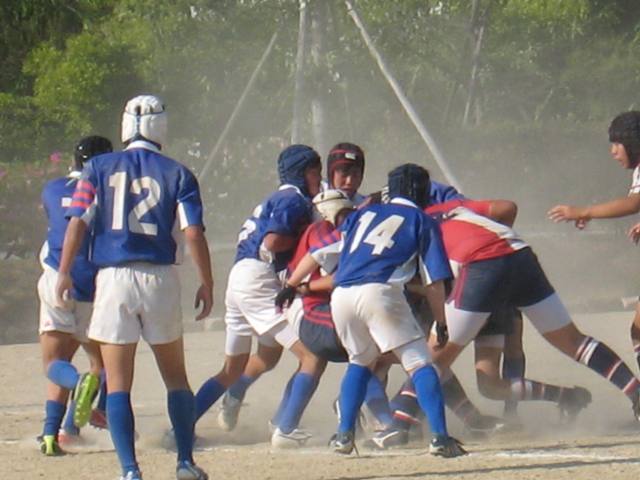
point(89, 383)
point(513, 359)
point(119, 364)
point(180, 404)
point(264, 360)
point(303, 384)
point(237, 351)
point(487, 359)
point(363, 352)
point(635, 334)
point(392, 326)
point(56, 347)
point(552, 320)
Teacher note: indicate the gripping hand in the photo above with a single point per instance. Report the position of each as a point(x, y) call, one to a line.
point(285, 297)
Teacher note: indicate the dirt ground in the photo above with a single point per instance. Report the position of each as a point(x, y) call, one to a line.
point(605, 442)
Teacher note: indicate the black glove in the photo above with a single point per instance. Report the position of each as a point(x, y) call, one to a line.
point(442, 333)
point(285, 297)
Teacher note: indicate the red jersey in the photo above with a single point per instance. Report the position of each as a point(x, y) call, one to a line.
point(469, 235)
point(317, 235)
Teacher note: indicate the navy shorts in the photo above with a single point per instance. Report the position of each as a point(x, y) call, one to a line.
point(321, 338)
point(500, 322)
point(516, 280)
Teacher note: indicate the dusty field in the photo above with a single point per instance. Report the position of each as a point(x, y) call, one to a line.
point(604, 443)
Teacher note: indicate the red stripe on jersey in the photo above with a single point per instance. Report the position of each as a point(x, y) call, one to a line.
point(78, 195)
point(85, 185)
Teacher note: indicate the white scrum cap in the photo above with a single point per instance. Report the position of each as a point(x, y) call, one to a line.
point(331, 202)
point(144, 116)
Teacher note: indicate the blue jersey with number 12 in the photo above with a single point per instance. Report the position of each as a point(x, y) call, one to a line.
point(139, 196)
point(391, 243)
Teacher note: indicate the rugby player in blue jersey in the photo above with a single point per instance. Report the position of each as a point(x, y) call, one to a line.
point(266, 243)
point(139, 204)
point(63, 330)
point(382, 247)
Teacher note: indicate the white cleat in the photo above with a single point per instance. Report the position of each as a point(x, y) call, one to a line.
point(295, 439)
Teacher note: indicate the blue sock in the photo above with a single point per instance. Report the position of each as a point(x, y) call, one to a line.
point(68, 425)
point(239, 389)
point(182, 414)
point(102, 396)
point(275, 420)
point(302, 388)
point(377, 401)
point(54, 412)
point(121, 427)
point(352, 392)
point(429, 393)
point(209, 392)
point(63, 374)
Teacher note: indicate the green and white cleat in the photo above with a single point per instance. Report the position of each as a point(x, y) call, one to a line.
point(84, 394)
point(49, 446)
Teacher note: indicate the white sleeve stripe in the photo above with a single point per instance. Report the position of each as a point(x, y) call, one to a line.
point(182, 217)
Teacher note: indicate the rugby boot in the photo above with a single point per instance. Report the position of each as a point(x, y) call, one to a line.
point(635, 402)
point(343, 443)
point(572, 401)
point(294, 439)
point(84, 394)
point(49, 446)
point(98, 419)
point(480, 426)
point(229, 412)
point(186, 470)
point(446, 446)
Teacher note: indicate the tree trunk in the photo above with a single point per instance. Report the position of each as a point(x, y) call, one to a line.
point(296, 126)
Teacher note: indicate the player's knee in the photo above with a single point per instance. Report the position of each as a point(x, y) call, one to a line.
point(488, 386)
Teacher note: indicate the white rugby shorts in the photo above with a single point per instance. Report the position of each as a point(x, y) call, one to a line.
point(74, 321)
point(371, 319)
point(251, 309)
point(138, 299)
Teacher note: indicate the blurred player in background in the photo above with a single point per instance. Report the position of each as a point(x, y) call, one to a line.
point(138, 203)
point(63, 330)
point(624, 135)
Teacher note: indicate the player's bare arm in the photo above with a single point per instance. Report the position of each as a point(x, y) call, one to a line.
point(620, 207)
point(307, 265)
point(503, 211)
point(199, 249)
point(72, 241)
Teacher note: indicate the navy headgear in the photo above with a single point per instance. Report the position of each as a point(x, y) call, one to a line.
point(292, 163)
point(410, 181)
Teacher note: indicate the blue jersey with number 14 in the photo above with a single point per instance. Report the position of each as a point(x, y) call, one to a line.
point(391, 243)
point(140, 195)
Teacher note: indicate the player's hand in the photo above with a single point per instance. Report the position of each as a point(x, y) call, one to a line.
point(285, 297)
point(442, 334)
point(204, 297)
point(634, 233)
point(566, 213)
point(64, 285)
